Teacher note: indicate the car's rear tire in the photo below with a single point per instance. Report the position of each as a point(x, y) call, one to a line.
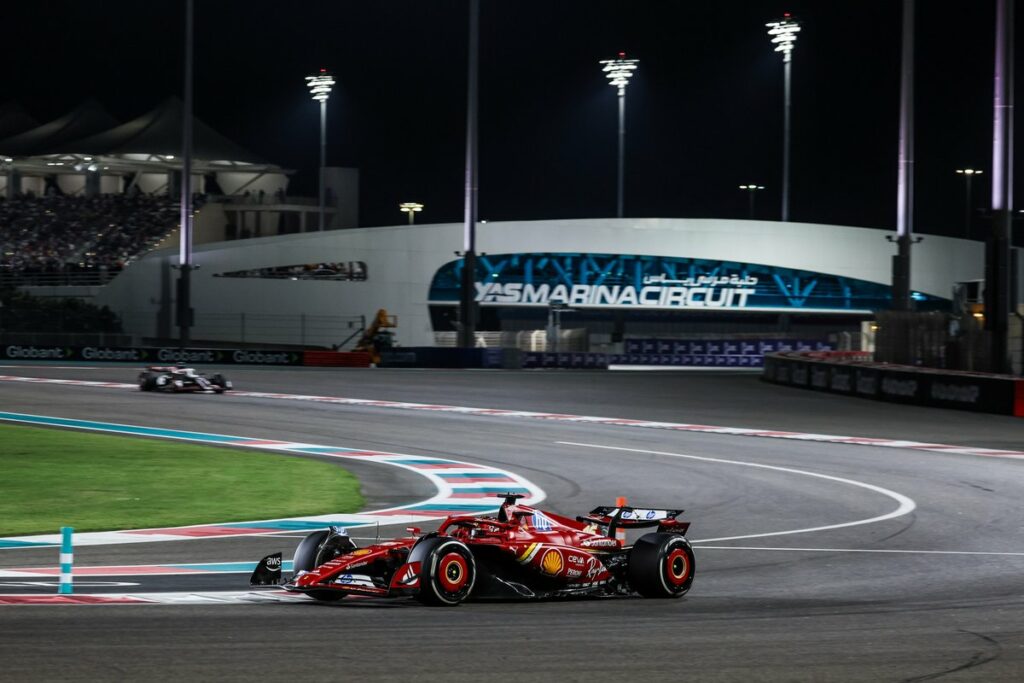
point(147, 381)
point(448, 572)
point(313, 552)
point(661, 565)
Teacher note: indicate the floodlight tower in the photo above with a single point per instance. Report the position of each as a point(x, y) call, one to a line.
point(411, 208)
point(783, 35)
point(320, 89)
point(968, 174)
point(618, 71)
point(751, 190)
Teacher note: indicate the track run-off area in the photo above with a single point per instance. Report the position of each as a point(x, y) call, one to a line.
point(836, 539)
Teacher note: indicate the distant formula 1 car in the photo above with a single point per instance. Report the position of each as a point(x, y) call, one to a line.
point(178, 379)
point(520, 553)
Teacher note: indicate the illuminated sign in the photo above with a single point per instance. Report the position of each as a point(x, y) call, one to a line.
point(659, 282)
point(658, 291)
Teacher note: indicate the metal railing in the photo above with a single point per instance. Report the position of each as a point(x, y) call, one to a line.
point(67, 339)
point(272, 329)
point(84, 278)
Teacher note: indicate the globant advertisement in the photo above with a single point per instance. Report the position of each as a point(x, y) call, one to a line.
point(151, 355)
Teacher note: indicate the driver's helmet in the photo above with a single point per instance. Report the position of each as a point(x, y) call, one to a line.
point(188, 372)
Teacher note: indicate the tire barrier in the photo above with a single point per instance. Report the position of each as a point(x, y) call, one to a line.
point(854, 374)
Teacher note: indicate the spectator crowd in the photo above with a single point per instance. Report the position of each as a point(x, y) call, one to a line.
point(62, 234)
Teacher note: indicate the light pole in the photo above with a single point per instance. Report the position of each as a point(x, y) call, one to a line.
point(320, 89)
point(752, 190)
point(901, 262)
point(184, 301)
point(998, 296)
point(968, 174)
point(411, 208)
point(467, 284)
point(783, 35)
point(618, 71)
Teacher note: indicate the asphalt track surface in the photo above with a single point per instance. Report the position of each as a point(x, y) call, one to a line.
point(936, 593)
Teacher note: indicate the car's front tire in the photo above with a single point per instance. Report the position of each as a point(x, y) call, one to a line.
point(147, 381)
point(448, 571)
point(220, 383)
point(311, 553)
point(661, 565)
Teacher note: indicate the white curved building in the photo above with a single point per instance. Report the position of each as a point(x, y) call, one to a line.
point(620, 277)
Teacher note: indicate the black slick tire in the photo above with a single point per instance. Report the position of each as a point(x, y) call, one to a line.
point(308, 556)
point(448, 571)
point(661, 565)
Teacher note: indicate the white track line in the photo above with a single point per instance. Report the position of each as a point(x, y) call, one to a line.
point(587, 419)
point(906, 505)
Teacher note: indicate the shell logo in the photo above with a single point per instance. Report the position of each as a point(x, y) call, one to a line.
point(551, 563)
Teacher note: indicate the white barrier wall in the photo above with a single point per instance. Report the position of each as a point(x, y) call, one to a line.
point(402, 260)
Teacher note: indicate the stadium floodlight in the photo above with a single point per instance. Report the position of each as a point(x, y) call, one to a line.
point(320, 85)
point(751, 190)
point(411, 208)
point(320, 89)
point(968, 174)
point(618, 71)
point(783, 37)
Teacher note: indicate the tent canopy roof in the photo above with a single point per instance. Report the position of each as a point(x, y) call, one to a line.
point(90, 130)
point(159, 132)
point(86, 119)
point(14, 119)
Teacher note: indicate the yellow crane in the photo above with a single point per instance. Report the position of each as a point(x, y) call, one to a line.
point(377, 337)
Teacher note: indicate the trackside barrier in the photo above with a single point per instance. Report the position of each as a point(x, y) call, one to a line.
point(706, 353)
point(601, 361)
point(336, 359)
point(569, 361)
point(854, 374)
point(169, 355)
point(67, 559)
point(446, 357)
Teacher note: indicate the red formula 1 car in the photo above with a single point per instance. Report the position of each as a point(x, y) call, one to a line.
point(521, 552)
point(179, 379)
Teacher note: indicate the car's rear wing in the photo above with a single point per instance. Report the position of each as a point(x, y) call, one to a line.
point(627, 517)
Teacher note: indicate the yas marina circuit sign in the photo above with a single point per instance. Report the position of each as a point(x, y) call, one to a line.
point(630, 281)
point(704, 291)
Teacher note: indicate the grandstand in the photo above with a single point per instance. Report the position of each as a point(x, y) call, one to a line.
point(83, 195)
point(97, 236)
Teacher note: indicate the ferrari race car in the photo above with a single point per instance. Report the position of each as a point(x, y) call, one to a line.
point(178, 379)
point(521, 552)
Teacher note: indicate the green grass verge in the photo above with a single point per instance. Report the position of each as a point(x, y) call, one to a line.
point(51, 478)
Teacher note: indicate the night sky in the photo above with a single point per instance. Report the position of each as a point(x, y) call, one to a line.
point(704, 113)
